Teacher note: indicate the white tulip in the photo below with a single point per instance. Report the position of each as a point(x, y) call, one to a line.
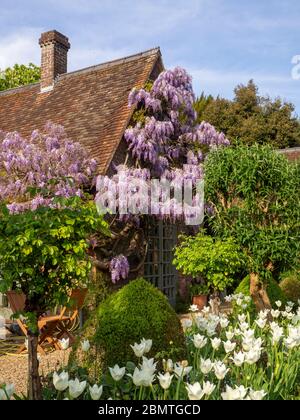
point(149, 365)
point(294, 332)
point(228, 298)
point(263, 314)
point(208, 388)
point(257, 395)
point(117, 373)
point(76, 388)
point(85, 346)
point(242, 318)
point(168, 365)
point(224, 322)
point(206, 366)
point(252, 356)
point(181, 370)
point(201, 322)
point(278, 303)
point(165, 380)
point(213, 318)
point(287, 315)
point(237, 331)
point(257, 344)
point(229, 346)
point(186, 323)
point(238, 358)
point(239, 301)
point(195, 392)
point(290, 303)
point(148, 345)
point(220, 370)
point(290, 343)
point(193, 308)
point(64, 343)
point(96, 392)
point(275, 313)
point(142, 377)
point(261, 322)
point(288, 309)
point(215, 342)
point(139, 349)
point(252, 344)
point(199, 341)
point(206, 310)
point(229, 335)
point(244, 326)
point(211, 330)
point(277, 333)
point(61, 381)
point(231, 394)
point(293, 339)
point(248, 334)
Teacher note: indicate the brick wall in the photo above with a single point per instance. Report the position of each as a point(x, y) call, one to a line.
point(292, 154)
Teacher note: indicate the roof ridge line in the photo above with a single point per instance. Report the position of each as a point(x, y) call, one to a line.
point(126, 59)
point(18, 89)
point(111, 63)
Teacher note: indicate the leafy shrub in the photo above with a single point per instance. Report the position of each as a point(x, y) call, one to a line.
point(257, 202)
point(138, 310)
point(214, 260)
point(290, 285)
point(274, 291)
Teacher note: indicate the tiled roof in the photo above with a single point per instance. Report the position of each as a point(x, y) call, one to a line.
point(92, 104)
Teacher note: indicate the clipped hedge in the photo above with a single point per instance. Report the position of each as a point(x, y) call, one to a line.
point(274, 291)
point(290, 285)
point(138, 310)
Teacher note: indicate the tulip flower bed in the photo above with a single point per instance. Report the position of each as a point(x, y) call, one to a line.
point(229, 358)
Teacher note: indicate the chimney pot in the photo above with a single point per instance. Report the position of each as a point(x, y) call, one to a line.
point(54, 50)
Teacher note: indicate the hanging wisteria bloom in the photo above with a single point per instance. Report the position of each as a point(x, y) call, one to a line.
point(119, 268)
point(165, 143)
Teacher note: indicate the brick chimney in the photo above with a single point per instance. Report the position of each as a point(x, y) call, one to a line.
point(54, 48)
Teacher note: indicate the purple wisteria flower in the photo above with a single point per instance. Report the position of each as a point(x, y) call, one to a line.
point(48, 162)
point(119, 268)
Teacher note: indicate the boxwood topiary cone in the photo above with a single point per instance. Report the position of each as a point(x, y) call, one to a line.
point(138, 310)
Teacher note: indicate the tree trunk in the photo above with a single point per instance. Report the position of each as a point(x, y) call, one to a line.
point(34, 380)
point(258, 293)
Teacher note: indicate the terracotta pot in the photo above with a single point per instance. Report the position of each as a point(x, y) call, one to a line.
point(200, 301)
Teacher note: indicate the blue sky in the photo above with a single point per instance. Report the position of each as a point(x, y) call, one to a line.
point(220, 42)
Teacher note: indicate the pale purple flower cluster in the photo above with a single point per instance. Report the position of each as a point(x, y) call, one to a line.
point(169, 136)
point(49, 162)
point(166, 144)
point(119, 268)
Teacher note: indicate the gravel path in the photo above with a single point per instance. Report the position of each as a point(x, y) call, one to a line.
point(13, 368)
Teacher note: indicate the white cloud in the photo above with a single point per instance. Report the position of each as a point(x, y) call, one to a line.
point(21, 47)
